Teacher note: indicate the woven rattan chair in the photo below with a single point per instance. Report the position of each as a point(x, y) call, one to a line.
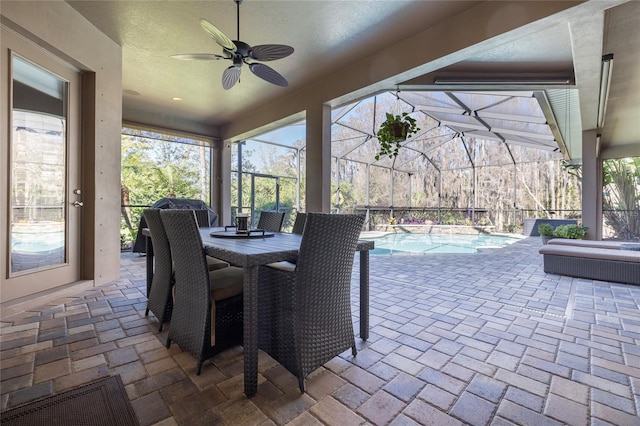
point(304, 310)
point(202, 217)
point(298, 225)
point(160, 301)
point(207, 308)
point(270, 221)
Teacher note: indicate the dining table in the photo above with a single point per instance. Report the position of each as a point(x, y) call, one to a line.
point(250, 251)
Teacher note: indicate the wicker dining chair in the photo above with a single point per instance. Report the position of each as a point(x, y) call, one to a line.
point(304, 309)
point(270, 221)
point(202, 216)
point(298, 225)
point(159, 300)
point(207, 306)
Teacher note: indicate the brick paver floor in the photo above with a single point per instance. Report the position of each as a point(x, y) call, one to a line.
point(476, 339)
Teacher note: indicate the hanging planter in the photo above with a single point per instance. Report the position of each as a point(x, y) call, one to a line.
point(393, 131)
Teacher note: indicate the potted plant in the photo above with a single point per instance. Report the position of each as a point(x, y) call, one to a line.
point(546, 232)
point(393, 131)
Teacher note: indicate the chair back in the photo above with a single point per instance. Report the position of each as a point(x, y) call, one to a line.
point(324, 268)
point(202, 216)
point(271, 221)
point(298, 225)
point(159, 299)
point(191, 319)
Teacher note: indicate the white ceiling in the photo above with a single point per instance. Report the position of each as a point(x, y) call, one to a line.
point(328, 36)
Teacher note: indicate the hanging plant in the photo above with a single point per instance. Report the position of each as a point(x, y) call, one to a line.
point(393, 131)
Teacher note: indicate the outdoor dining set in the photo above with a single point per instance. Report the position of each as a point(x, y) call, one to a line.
point(288, 294)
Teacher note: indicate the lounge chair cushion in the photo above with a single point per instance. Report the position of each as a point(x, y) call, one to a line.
point(614, 245)
point(591, 253)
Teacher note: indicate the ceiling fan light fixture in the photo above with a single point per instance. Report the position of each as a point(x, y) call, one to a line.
point(241, 53)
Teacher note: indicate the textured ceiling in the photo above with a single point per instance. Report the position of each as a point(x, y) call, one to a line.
point(328, 36)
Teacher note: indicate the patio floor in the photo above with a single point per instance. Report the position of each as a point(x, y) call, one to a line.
point(476, 339)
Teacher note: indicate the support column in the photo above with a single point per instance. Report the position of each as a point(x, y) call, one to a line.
point(318, 180)
point(591, 186)
point(224, 210)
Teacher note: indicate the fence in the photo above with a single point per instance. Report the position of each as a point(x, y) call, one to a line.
point(502, 220)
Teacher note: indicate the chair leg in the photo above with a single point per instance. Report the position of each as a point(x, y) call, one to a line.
point(354, 352)
point(301, 383)
point(160, 329)
point(168, 342)
point(199, 368)
point(146, 312)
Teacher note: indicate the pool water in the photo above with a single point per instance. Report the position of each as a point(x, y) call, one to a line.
point(407, 243)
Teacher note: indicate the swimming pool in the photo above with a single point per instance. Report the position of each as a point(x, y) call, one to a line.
point(414, 244)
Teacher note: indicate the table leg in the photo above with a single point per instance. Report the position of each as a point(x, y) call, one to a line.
point(364, 294)
point(250, 329)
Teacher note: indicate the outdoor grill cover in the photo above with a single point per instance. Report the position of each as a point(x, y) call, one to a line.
point(140, 245)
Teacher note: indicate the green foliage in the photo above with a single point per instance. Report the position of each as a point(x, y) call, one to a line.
point(574, 232)
point(152, 168)
point(342, 194)
point(621, 196)
point(545, 230)
point(393, 131)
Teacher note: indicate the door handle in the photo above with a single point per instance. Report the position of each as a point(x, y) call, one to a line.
point(78, 204)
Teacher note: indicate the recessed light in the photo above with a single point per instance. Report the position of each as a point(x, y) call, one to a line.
point(131, 92)
point(177, 99)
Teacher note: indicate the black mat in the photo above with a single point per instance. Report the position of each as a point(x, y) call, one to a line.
point(104, 402)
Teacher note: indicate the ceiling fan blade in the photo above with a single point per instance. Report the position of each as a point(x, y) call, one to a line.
point(230, 77)
point(270, 52)
point(268, 74)
point(217, 35)
point(198, 57)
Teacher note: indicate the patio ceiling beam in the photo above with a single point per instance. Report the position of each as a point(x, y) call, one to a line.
point(345, 111)
point(353, 128)
point(439, 144)
point(446, 110)
point(367, 139)
point(510, 117)
point(272, 143)
point(520, 133)
point(535, 145)
point(465, 127)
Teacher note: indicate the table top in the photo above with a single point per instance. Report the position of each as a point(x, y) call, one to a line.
point(252, 233)
point(258, 251)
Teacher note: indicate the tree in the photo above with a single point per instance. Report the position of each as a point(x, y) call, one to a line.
point(154, 166)
point(621, 197)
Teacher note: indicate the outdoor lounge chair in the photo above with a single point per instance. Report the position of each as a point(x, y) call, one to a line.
point(596, 263)
point(207, 305)
point(304, 310)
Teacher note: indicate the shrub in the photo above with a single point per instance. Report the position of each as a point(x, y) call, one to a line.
point(574, 232)
point(545, 230)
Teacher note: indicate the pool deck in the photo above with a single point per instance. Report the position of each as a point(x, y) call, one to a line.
point(481, 339)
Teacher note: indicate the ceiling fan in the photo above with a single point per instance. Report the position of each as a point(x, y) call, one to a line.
point(241, 53)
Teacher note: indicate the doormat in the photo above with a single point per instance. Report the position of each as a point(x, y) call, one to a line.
point(104, 402)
